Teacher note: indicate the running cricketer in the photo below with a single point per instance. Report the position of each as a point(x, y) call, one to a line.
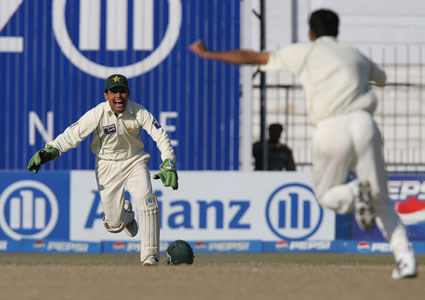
point(340, 104)
point(121, 161)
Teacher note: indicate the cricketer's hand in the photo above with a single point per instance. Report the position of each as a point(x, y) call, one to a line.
point(41, 157)
point(198, 47)
point(168, 174)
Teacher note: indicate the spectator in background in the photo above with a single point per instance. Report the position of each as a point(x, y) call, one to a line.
point(279, 155)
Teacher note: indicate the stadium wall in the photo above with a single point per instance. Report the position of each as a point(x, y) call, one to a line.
point(61, 212)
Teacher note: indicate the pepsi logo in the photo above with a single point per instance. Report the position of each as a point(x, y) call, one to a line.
point(118, 246)
point(200, 245)
point(363, 246)
point(281, 244)
point(39, 244)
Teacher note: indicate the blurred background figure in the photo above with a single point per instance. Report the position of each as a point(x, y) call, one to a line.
point(279, 155)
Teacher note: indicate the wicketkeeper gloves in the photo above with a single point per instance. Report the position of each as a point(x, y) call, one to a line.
point(41, 157)
point(168, 174)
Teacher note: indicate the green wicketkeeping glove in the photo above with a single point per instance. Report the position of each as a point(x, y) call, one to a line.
point(41, 157)
point(168, 174)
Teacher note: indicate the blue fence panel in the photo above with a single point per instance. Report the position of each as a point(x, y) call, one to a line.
point(55, 55)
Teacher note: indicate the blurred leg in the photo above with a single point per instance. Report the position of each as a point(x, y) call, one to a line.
point(333, 155)
point(371, 167)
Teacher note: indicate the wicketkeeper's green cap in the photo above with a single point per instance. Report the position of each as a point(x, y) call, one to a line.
point(116, 80)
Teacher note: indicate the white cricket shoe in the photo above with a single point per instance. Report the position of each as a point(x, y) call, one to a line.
point(131, 228)
point(406, 268)
point(151, 261)
point(364, 211)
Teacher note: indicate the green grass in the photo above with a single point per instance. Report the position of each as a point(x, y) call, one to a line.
point(206, 259)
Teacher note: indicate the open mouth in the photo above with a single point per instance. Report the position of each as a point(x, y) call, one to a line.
point(119, 103)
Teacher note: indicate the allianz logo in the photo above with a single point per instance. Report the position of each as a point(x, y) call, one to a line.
point(117, 32)
point(293, 212)
point(28, 209)
point(141, 34)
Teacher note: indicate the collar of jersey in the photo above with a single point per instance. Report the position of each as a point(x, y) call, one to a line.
point(327, 38)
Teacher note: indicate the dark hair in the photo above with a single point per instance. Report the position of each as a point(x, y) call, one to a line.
point(275, 131)
point(128, 90)
point(324, 22)
point(276, 127)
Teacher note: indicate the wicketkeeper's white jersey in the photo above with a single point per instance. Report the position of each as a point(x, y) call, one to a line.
point(335, 76)
point(115, 137)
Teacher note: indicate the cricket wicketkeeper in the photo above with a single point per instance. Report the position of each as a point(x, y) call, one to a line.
point(121, 161)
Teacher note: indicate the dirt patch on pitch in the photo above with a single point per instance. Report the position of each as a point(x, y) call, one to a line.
point(216, 281)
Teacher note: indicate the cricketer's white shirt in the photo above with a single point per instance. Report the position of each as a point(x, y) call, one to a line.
point(335, 76)
point(115, 137)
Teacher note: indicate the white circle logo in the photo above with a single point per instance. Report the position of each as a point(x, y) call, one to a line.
point(101, 71)
point(23, 185)
point(293, 213)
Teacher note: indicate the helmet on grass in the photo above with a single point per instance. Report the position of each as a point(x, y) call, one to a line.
point(179, 252)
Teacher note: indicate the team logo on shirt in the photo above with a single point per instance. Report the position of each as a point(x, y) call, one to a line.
point(156, 124)
point(150, 201)
point(108, 129)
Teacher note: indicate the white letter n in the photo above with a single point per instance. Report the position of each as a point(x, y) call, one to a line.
point(35, 122)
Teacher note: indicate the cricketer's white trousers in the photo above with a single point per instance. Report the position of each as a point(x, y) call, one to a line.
point(112, 177)
point(353, 142)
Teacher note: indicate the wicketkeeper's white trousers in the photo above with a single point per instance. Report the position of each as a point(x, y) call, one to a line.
point(353, 143)
point(113, 176)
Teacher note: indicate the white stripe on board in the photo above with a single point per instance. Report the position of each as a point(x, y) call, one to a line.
point(116, 24)
point(27, 209)
point(40, 216)
point(89, 25)
point(143, 25)
point(11, 44)
point(15, 213)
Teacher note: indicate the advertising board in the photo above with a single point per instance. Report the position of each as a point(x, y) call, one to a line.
point(407, 191)
point(216, 206)
point(34, 206)
point(208, 206)
point(55, 56)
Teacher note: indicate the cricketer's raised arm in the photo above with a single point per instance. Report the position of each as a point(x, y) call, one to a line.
point(158, 134)
point(76, 132)
point(69, 139)
point(168, 172)
point(237, 56)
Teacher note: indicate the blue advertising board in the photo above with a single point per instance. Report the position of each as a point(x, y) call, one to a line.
point(65, 205)
point(407, 191)
point(34, 206)
point(60, 212)
point(56, 54)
